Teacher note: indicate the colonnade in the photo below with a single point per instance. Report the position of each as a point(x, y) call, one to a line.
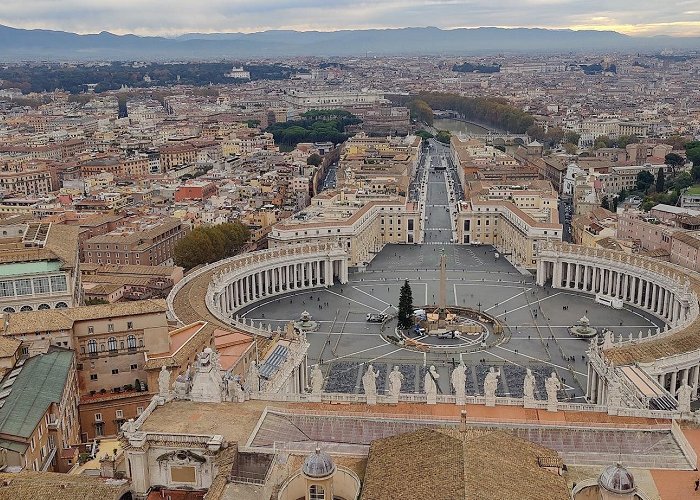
point(250, 286)
point(630, 285)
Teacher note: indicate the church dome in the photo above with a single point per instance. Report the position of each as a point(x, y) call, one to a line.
point(319, 464)
point(617, 479)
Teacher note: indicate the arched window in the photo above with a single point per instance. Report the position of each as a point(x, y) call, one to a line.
point(112, 344)
point(26, 309)
point(131, 342)
point(316, 492)
point(92, 346)
point(61, 305)
point(43, 307)
point(9, 310)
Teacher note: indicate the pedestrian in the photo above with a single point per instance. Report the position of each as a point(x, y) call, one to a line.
point(697, 484)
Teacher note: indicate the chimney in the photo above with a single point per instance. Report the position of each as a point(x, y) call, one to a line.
point(463, 421)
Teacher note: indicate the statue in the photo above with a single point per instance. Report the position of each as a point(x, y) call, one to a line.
point(683, 395)
point(207, 383)
point(129, 426)
point(316, 380)
point(490, 386)
point(395, 380)
point(163, 382)
point(529, 389)
point(459, 382)
point(203, 360)
point(252, 379)
point(430, 384)
point(552, 385)
point(234, 391)
point(369, 384)
point(181, 386)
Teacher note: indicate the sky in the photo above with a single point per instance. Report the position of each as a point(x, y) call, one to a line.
point(172, 17)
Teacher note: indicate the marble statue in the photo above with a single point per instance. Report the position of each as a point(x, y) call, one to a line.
point(430, 384)
point(316, 380)
point(552, 385)
point(491, 383)
point(395, 380)
point(181, 386)
point(683, 395)
point(252, 378)
point(529, 389)
point(234, 391)
point(459, 382)
point(163, 382)
point(207, 382)
point(369, 384)
point(129, 426)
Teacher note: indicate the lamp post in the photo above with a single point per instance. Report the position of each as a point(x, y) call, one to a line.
point(479, 304)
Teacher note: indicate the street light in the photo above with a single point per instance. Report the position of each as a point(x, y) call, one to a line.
point(479, 304)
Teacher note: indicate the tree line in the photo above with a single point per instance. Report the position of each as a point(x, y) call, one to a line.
point(493, 111)
point(206, 244)
point(314, 126)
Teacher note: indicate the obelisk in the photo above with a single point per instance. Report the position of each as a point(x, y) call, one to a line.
point(442, 296)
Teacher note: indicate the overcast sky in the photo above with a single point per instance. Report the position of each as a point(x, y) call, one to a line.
point(170, 17)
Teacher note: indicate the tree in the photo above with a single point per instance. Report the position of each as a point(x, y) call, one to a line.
point(421, 111)
point(314, 159)
point(424, 134)
point(602, 141)
point(605, 203)
point(674, 161)
point(692, 151)
point(93, 301)
point(660, 181)
point(624, 140)
point(554, 136)
point(570, 149)
point(209, 244)
point(571, 137)
point(644, 180)
point(536, 132)
point(615, 202)
point(443, 136)
point(405, 305)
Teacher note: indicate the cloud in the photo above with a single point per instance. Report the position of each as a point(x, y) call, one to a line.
point(169, 17)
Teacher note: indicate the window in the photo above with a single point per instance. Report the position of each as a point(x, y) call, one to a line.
point(316, 492)
point(91, 329)
point(41, 285)
point(115, 371)
point(99, 429)
point(98, 417)
point(131, 342)
point(31, 444)
point(92, 346)
point(24, 287)
point(112, 344)
point(134, 367)
point(129, 325)
point(58, 284)
point(93, 376)
point(119, 413)
point(110, 327)
point(139, 410)
point(7, 289)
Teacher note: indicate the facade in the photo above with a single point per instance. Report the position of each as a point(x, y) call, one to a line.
point(39, 414)
point(195, 190)
point(361, 224)
point(149, 241)
point(111, 342)
point(40, 267)
point(513, 218)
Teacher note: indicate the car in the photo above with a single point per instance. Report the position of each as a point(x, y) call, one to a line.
point(448, 335)
point(376, 317)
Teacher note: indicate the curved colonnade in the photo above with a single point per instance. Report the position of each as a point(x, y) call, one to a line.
point(215, 292)
point(664, 290)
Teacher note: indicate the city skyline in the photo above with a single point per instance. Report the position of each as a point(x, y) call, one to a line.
point(642, 18)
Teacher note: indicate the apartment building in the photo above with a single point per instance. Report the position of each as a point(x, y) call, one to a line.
point(147, 240)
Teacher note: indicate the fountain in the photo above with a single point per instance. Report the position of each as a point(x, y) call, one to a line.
point(583, 329)
point(305, 323)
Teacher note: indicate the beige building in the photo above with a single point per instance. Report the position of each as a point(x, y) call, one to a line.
point(362, 224)
point(111, 342)
point(513, 218)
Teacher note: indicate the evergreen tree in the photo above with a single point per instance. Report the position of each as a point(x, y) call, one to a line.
point(605, 203)
point(660, 181)
point(405, 305)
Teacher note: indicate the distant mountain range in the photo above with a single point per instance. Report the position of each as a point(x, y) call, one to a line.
point(45, 45)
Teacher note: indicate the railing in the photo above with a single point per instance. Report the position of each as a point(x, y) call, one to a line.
point(684, 444)
point(147, 411)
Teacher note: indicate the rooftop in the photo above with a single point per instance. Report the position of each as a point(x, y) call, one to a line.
point(29, 485)
point(39, 383)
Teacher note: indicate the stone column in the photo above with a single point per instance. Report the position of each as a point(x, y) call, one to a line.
point(674, 375)
point(695, 379)
point(138, 458)
point(568, 275)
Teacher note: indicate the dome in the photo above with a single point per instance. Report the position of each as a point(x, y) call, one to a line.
point(318, 464)
point(617, 479)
